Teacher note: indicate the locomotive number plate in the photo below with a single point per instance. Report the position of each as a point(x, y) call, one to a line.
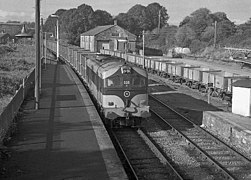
point(126, 82)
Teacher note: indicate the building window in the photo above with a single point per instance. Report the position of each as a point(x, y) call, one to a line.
point(115, 34)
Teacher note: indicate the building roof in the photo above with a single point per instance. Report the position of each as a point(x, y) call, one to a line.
point(97, 30)
point(243, 83)
point(11, 24)
point(23, 33)
point(3, 34)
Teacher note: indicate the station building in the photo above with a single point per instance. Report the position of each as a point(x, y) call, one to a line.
point(112, 37)
point(11, 28)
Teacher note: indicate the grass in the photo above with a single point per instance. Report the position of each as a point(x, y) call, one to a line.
point(14, 66)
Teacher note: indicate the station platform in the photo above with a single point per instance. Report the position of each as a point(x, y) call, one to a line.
point(65, 138)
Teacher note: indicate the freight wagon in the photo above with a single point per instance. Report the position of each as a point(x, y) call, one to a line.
point(215, 81)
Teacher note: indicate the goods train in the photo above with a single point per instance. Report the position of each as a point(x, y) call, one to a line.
point(120, 89)
point(213, 81)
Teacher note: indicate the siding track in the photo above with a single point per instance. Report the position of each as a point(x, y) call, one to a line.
point(229, 162)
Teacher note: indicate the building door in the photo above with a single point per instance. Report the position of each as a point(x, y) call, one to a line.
point(105, 46)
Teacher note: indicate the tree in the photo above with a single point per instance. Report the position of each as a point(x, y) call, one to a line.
point(129, 23)
point(139, 18)
point(200, 20)
point(72, 22)
point(153, 11)
point(201, 23)
point(184, 36)
point(208, 34)
point(196, 45)
point(100, 18)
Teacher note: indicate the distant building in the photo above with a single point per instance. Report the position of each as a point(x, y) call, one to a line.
point(11, 28)
point(111, 37)
point(23, 33)
point(4, 38)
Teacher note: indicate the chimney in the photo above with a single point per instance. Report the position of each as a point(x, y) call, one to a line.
point(115, 21)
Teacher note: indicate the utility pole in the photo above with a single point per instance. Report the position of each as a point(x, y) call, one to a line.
point(37, 73)
point(159, 23)
point(215, 33)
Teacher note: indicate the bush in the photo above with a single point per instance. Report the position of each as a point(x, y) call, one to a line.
point(8, 85)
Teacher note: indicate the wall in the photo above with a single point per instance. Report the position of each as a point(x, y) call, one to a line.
point(114, 33)
point(227, 125)
point(87, 42)
point(110, 36)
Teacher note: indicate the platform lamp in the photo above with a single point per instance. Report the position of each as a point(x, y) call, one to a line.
point(56, 16)
point(143, 53)
point(143, 48)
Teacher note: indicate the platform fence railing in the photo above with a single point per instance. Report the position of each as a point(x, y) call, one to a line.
point(10, 111)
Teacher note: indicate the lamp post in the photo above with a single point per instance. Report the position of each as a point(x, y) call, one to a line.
point(143, 48)
point(56, 16)
point(45, 48)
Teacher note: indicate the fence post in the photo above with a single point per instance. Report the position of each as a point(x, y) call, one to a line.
point(24, 87)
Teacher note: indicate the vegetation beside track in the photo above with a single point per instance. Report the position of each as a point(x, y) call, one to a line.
point(16, 62)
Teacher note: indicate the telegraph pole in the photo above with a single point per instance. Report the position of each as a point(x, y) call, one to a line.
point(37, 73)
point(159, 22)
point(215, 33)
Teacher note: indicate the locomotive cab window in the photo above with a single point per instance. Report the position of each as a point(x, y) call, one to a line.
point(114, 82)
point(138, 82)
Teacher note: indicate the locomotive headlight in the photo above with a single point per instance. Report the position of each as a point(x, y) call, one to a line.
point(110, 103)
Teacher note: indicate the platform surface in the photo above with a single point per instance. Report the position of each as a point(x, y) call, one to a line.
point(64, 138)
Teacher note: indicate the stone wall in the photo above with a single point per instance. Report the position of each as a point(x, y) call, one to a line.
point(231, 127)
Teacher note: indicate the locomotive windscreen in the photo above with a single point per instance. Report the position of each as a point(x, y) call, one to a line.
point(126, 70)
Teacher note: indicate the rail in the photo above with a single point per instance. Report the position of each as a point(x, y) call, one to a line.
point(212, 149)
point(11, 110)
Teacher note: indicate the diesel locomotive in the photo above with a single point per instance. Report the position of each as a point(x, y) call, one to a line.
point(119, 88)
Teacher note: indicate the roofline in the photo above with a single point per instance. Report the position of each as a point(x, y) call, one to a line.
point(13, 24)
point(100, 31)
point(106, 29)
point(111, 27)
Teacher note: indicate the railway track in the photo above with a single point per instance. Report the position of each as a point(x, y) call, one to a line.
point(141, 156)
point(227, 161)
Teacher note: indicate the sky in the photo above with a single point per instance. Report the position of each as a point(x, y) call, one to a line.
point(24, 10)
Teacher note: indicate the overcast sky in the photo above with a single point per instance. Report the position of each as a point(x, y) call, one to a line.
point(23, 10)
